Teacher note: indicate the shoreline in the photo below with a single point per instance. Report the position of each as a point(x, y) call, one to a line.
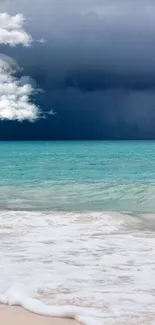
point(16, 315)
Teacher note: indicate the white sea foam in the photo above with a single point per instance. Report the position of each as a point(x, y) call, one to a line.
point(14, 296)
point(84, 261)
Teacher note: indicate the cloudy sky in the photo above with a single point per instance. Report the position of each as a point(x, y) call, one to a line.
point(94, 61)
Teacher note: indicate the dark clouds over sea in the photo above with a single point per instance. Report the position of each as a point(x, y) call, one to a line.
point(96, 68)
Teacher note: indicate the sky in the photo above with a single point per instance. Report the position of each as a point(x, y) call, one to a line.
point(77, 70)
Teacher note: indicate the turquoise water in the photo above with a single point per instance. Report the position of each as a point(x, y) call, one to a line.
point(78, 176)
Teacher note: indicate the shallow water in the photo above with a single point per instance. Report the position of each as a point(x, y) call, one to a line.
point(77, 176)
point(94, 260)
point(57, 238)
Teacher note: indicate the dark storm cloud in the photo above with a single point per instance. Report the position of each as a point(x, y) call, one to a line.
point(97, 67)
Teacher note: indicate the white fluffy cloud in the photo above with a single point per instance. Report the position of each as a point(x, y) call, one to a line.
point(11, 30)
point(15, 93)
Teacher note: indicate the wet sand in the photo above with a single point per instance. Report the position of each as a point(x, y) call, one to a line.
point(18, 316)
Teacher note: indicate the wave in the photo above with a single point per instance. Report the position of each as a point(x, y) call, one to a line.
point(17, 296)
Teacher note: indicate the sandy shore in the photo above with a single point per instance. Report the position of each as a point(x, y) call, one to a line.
point(18, 316)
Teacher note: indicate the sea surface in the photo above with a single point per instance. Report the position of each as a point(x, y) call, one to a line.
point(77, 225)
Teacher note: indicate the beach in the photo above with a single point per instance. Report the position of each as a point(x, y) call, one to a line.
point(78, 234)
point(15, 315)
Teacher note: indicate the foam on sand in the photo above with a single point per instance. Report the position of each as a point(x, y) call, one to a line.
point(16, 296)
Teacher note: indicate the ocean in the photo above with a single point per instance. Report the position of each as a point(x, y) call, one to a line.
point(77, 225)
